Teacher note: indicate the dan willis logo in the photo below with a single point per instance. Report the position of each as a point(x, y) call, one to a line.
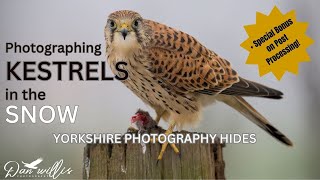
point(34, 169)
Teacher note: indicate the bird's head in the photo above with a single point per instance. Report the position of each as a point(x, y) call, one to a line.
point(126, 30)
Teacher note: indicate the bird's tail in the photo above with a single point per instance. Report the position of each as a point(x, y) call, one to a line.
point(249, 112)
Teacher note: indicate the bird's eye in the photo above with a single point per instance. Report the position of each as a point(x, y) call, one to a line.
point(112, 24)
point(135, 24)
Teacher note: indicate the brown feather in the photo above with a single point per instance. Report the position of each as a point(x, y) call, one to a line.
point(249, 88)
point(184, 63)
point(241, 105)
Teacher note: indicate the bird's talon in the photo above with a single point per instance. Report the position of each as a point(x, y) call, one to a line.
point(165, 144)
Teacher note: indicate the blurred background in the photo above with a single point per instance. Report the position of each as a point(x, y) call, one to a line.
point(107, 106)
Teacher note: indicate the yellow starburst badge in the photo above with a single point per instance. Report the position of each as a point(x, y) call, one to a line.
point(277, 43)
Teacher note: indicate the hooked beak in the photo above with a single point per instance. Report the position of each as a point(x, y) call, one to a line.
point(124, 30)
point(124, 33)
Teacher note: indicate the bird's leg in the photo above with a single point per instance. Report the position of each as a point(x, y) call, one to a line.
point(159, 115)
point(164, 145)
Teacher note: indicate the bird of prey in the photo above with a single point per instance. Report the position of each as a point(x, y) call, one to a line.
point(33, 165)
point(176, 75)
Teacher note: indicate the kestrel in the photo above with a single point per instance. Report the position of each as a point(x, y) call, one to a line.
point(176, 75)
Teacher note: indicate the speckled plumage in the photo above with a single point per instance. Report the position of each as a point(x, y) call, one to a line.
point(175, 74)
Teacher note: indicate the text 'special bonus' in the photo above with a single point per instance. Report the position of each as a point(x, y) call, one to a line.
point(277, 43)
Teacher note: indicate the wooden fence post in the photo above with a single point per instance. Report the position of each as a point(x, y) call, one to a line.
point(122, 161)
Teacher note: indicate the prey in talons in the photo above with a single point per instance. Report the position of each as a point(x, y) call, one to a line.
point(144, 123)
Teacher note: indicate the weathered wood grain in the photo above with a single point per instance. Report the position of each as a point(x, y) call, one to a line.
point(127, 161)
